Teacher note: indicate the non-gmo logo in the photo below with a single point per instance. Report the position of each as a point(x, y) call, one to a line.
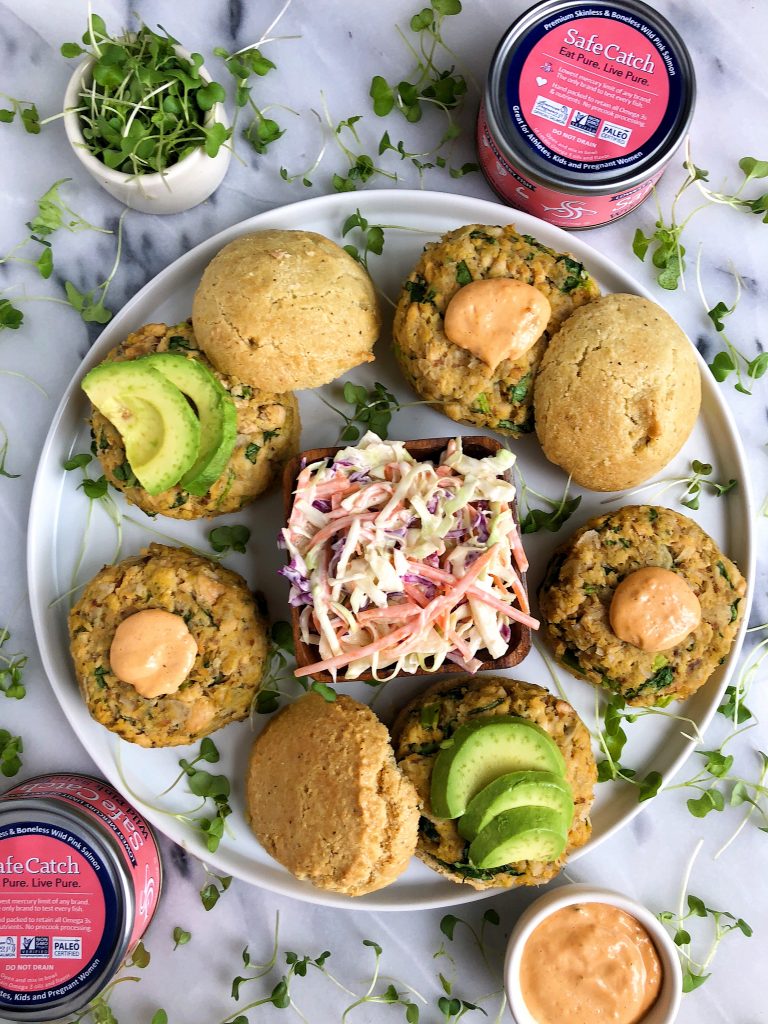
point(67, 947)
point(35, 945)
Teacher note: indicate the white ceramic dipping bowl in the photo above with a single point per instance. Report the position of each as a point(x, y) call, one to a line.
point(182, 186)
point(666, 1007)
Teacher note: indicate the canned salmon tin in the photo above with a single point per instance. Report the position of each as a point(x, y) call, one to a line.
point(80, 876)
point(583, 109)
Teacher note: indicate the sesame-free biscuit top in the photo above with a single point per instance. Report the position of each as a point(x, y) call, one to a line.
point(326, 799)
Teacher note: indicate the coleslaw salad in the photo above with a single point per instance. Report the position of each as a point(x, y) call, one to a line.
point(399, 565)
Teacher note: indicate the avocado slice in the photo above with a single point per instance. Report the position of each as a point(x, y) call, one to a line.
point(157, 424)
point(522, 833)
point(478, 752)
point(216, 412)
point(517, 789)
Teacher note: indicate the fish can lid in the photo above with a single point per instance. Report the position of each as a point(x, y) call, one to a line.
point(590, 98)
point(65, 920)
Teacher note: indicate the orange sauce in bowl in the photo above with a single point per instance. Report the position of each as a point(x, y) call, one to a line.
point(590, 963)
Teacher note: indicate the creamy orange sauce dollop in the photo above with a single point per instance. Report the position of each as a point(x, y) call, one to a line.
point(654, 609)
point(496, 319)
point(590, 963)
point(153, 651)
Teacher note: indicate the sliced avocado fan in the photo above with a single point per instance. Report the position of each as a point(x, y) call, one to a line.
point(215, 409)
point(158, 426)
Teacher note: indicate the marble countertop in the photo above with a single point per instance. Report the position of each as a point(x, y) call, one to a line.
point(339, 47)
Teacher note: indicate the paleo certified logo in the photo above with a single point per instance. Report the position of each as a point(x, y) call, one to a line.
point(7, 947)
point(35, 945)
point(67, 947)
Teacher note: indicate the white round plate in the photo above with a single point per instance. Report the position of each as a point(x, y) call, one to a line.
point(59, 511)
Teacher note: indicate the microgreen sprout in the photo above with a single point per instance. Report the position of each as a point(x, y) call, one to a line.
point(261, 131)
point(98, 1011)
point(426, 86)
point(211, 892)
point(180, 937)
point(215, 788)
point(612, 738)
point(372, 236)
point(278, 673)
point(229, 538)
point(279, 655)
point(246, 62)
point(667, 252)
point(260, 969)
point(448, 925)
point(95, 490)
point(697, 481)
point(560, 509)
point(304, 175)
point(454, 1009)
point(426, 160)
point(4, 455)
point(11, 670)
point(146, 106)
point(715, 785)
point(25, 109)
point(11, 749)
point(90, 304)
point(390, 996)
point(372, 410)
point(690, 908)
point(11, 318)
point(140, 957)
point(53, 214)
point(280, 996)
point(718, 786)
point(361, 165)
point(730, 359)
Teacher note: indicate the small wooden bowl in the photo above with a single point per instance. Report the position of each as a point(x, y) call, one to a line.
point(426, 450)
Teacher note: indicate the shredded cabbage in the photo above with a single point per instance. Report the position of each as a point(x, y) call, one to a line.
point(399, 565)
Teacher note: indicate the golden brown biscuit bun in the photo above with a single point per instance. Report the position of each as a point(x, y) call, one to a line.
point(617, 394)
point(326, 799)
point(284, 310)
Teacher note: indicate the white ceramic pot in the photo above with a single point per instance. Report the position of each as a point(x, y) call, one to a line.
point(666, 1007)
point(181, 187)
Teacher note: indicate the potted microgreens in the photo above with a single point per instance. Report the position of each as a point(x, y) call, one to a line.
point(145, 119)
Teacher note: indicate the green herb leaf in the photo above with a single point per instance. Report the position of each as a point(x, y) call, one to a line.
point(753, 168)
point(229, 538)
point(282, 636)
point(640, 244)
point(326, 692)
point(211, 894)
point(710, 800)
point(11, 748)
point(94, 489)
point(180, 937)
point(140, 957)
point(733, 707)
point(649, 786)
point(31, 119)
point(373, 410)
point(11, 318)
point(552, 520)
point(459, 172)
point(463, 275)
point(382, 95)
